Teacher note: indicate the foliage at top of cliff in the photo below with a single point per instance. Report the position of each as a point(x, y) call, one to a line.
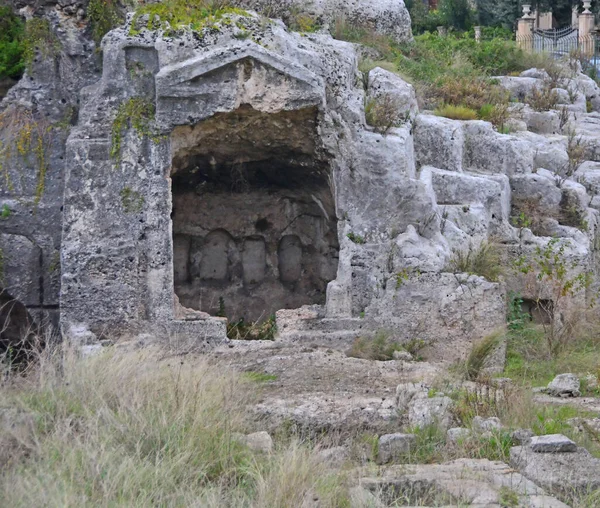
point(12, 31)
point(174, 14)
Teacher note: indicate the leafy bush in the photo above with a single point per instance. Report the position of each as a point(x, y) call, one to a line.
point(456, 112)
point(483, 260)
point(12, 31)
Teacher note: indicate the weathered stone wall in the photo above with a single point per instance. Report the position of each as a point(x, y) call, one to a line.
point(35, 119)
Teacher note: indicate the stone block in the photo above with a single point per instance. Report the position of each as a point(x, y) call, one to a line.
point(393, 446)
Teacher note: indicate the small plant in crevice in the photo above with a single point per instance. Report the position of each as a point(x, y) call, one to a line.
point(576, 152)
point(242, 330)
point(383, 112)
point(483, 260)
point(355, 238)
point(136, 113)
point(5, 213)
point(104, 15)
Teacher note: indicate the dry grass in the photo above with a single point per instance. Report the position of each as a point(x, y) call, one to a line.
point(139, 429)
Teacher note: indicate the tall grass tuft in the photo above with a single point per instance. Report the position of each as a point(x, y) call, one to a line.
point(483, 260)
point(136, 429)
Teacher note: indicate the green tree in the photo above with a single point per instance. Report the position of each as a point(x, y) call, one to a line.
point(12, 30)
point(456, 13)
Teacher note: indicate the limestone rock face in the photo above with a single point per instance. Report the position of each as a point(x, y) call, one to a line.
point(387, 17)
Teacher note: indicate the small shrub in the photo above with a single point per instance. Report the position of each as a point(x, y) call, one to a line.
point(483, 260)
point(480, 353)
point(380, 348)
point(543, 99)
point(384, 112)
point(560, 279)
point(456, 112)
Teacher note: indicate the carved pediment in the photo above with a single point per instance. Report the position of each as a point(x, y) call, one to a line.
point(227, 78)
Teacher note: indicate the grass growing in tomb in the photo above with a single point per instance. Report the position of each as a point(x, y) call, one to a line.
point(135, 429)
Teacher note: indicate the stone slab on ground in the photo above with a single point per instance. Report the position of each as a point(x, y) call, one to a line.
point(463, 482)
point(567, 473)
point(552, 443)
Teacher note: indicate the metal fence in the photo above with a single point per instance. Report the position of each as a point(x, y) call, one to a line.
point(557, 42)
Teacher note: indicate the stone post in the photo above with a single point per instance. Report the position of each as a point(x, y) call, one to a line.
point(525, 29)
point(575, 17)
point(478, 34)
point(587, 25)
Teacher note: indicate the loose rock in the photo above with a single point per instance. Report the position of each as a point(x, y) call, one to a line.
point(564, 385)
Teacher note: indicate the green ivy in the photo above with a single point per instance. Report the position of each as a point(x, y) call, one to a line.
point(12, 31)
